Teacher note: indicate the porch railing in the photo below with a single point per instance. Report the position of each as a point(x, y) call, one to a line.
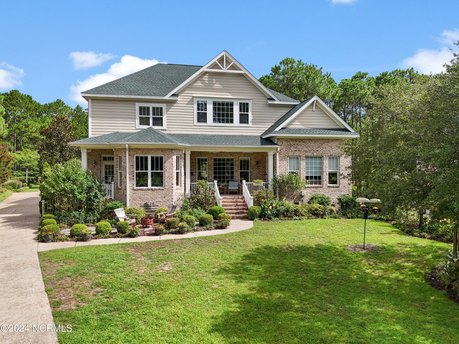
point(247, 195)
point(109, 190)
point(254, 187)
point(218, 198)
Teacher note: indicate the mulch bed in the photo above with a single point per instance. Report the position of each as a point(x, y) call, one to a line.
point(433, 279)
point(359, 248)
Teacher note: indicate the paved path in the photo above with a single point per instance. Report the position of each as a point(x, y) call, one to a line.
point(23, 301)
point(235, 226)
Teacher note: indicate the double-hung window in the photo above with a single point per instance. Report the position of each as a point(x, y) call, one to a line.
point(244, 169)
point(178, 171)
point(149, 171)
point(222, 112)
point(333, 170)
point(294, 165)
point(314, 170)
point(120, 171)
point(151, 115)
point(202, 168)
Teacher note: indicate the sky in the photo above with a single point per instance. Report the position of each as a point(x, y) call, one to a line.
point(56, 49)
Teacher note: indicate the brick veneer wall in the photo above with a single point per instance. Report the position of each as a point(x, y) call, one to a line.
point(324, 148)
point(258, 168)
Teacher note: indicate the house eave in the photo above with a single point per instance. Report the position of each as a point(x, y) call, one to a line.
point(290, 136)
point(88, 96)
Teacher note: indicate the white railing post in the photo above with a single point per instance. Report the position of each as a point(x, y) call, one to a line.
point(247, 196)
point(218, 198)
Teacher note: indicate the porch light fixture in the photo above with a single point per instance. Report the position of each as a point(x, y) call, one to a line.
point(365, 205)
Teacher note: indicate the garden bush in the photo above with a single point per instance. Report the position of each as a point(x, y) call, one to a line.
point(261, 196)
point(348, 206)
point(46, 222)
point(254, 212)
point(321, 199)
point(108, 210)
point(132, 232)
point(315, 210)
point(122, 227)
point(284, 209)
point(183, 227)
point(206, 220)
point(49, 233)
point(224, 221)
point(13, 184)
point(48, 216)
point(158, 211)
point(203, 196)
point(215, 211)
point(136, 213)
point(172, 223)
point(288, 186)
point(103, 228)
point(72, 217)
point(190, 220)
point(80, 232)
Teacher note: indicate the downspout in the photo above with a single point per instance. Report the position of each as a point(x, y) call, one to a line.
point(127, 175)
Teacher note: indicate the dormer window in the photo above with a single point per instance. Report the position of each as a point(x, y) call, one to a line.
point(151, 115)
point(222, 112)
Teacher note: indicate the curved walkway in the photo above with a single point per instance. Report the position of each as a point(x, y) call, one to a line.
point(24, 305)
point(235, 226)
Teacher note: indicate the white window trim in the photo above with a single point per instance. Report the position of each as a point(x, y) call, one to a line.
point(150, 105)
point(321, 185)
point(210, 109)
point(179, 170)
point(120, 171)
point(248, 159)
point(149, 172)
point(197, 168)
point(299, 164)
point(337, 172)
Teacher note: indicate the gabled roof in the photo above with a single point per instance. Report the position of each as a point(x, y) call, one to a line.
point(152, 136)
point(164, 81)
point(279, 127)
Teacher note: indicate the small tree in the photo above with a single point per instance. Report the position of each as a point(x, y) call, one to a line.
point(203, 197)
point(288, 186)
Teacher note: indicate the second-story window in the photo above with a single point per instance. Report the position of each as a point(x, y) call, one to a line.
point(151, 115)
point(223, 112)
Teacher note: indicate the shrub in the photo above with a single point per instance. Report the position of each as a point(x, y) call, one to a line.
point(299, 211)
point(122, 227)
point(49, 233)
point(80, 232)
point(449, 274)
point(68, 188)
point(330, 211)
point(132, 232)
point(46, 222)
point(172, 223)
point(263, 195)
point(72, 217)
point(108, 210)
point(103, 228)
point(268, 210)
point(321, 199)
point(288, 186)
point(254, 212)
point(206, 220)
point(136, 213)
point(13, 184)
point(283, 209)
point(195, 212)
point(190, 220)
point(348, 207)
point(215, 211)
point(224, 221)
point(158, 211)
point(48, 216)
point(203, 196)
point(315, 210)
point(183, 227)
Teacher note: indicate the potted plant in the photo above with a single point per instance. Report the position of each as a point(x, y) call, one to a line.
point(147, 221)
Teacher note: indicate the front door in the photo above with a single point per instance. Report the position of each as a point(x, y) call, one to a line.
point(108, 169)
point(223, 170)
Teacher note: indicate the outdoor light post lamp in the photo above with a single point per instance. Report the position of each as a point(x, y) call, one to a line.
point(365, 204)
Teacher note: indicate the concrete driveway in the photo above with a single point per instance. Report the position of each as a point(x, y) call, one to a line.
point(25, 314)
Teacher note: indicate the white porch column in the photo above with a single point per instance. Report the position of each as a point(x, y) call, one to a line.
point(187, 172)
point(84, 158)
point(270, 166)
point(127, 176)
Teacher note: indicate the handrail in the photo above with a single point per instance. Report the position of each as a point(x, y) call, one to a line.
point(218, 198)
point(247, 196)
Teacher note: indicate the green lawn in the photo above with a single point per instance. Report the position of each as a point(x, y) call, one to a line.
point(5, 194)
point(280, 282)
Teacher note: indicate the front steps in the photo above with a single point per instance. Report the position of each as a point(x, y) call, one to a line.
point(235, 206)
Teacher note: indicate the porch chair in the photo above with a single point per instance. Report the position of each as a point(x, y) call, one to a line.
point(121, 215)
point(233, 186)
point(165, 215)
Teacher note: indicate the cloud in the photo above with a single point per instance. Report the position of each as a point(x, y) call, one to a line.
point(10, 76)
point(88, 59)
point(432, 61)
point(343, 2)
point(128, 64)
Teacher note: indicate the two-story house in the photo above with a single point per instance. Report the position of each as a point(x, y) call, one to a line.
point(153, 134)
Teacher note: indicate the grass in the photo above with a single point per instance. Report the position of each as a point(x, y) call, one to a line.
point(280, 282)
point(5, 194)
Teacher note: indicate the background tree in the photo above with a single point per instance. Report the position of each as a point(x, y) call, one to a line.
point(54, 147)
point(301, 81)
point(25, 162)
point(3, 130)
point(5, 163)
